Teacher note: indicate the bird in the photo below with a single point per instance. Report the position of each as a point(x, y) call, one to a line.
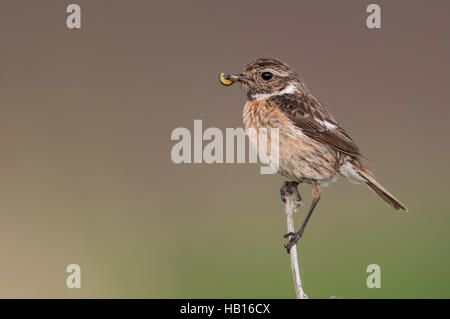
point(313, 147)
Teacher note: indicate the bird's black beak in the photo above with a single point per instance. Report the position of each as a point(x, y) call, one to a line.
point(236, 77)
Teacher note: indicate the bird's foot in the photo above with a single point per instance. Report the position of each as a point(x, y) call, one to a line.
point(293, 239)
point(290, 188)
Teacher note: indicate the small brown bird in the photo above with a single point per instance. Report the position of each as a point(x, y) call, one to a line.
point(313, 147)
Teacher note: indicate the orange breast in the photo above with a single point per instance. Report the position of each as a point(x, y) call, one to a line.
point(258, 114)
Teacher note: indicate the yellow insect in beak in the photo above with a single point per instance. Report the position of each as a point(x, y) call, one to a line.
point(224, 80)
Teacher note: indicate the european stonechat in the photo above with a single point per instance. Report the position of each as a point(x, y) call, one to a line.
point(313, 146)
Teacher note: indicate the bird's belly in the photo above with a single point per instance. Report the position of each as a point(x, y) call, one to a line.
point(301, 158)
point(304, 159)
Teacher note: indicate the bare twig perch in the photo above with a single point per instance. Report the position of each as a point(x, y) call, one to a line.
point(290, 209)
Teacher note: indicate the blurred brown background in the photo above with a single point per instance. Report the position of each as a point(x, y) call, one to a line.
point(86, 175)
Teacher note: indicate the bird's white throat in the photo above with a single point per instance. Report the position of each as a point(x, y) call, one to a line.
point(291, 88)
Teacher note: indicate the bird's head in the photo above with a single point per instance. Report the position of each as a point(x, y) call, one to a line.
point(265, 77)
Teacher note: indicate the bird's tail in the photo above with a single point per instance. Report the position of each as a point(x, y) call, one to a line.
point(369, 179)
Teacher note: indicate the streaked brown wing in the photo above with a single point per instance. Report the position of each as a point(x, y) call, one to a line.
point(336, 137)
point(303, 112)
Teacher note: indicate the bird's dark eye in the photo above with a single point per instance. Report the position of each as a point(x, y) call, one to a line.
point(266, 76)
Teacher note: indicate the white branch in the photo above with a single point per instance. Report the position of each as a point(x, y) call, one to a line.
point(290, 209)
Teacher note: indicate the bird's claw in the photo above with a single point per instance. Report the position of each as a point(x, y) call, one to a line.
point(293, 239)
point(288, 234)
point(290, 188)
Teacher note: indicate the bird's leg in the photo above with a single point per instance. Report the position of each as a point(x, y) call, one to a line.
point(294, 237)
point(290, 188)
